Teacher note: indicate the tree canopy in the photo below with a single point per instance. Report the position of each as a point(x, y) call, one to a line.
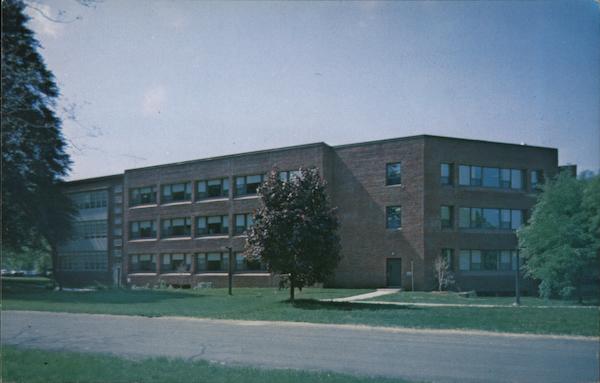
point(295, 231)
point(35, 212)
point(561, 243)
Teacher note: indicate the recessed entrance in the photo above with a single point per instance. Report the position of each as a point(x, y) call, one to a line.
point(394, 272)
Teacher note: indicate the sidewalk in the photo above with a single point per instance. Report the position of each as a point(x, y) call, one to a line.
point(374, 294)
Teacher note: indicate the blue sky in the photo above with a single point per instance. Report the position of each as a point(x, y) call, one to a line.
point(162, 81)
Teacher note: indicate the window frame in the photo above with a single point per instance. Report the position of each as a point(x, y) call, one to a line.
point(447, 180)
point(186, 261)
point(202, 262)
point(137, 257)
point(187, 192)
point(449, 222)
point(139, 201)
point(241, 193)
point(388, 217)
point(205, 232)
point(389, 179)
point(140, 236)
point(167, 233)
point(248, 217)
point(223, 189)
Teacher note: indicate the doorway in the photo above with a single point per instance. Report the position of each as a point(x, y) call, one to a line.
point(394, 272)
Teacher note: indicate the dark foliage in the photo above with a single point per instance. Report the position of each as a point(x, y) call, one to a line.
point(35, 214)
point(295, 230)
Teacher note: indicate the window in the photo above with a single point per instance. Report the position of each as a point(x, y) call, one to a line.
point(243, 263)
point(117, 232)
point(537, 179)
point(178, 263)
point(448, 255)
point(118, 220)
point(176, 192)
point(289, 175)
point(176, 227)
point(118, 189)
point(212, 188)
point(142, 229)
point(393, 174)
point(446, 217)
point(84, 261)
point(464, 175)
point(142, 263)
point(491, 177)
point(213, 225)
point(142, 196)
point(516, 179)
point(393, 217)
point(446, 174)
point(247, 185)
point(118, 199)
point(90, 229)
point(212, 262)
point(487, 260)
point(243, 222)
point(90, 200)
point(489, 218)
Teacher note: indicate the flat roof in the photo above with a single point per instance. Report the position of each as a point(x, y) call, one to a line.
point(302, 146)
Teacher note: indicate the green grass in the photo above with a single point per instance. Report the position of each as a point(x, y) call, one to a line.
point(272, 304)
point(455, 298)
point(31, 366)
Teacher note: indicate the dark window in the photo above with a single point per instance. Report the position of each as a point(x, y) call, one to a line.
point(475, 259)
point(140, 263)
point(505, 178)
point(446, 216)
point(213, 225)
point(478, 218)
point(243, 222)
point(243, 263)
point(142, 196)
point(490, 260)
point(491, 218)
point(487, 260)
point(179, 263)
point(516, 179)
point(393, 174)
point(448, 255)
point(464, 175)
point(212, 188)
point(212, 262)
point(288, 175)
point(142, 229)
point(475, 176)
point(537, 179)
point(247, 185)
point(394, 217)
point(176, 192)
point(491, 177)
point(446, 174)
point(176, 227)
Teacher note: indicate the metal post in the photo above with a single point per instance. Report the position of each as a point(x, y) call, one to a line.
point(230, 270)
point(517, 288)
point(412, 275)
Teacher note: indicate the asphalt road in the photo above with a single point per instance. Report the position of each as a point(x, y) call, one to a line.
point(438, 356)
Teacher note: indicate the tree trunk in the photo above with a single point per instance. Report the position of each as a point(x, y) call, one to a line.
point(55, 276)
point(292, 288)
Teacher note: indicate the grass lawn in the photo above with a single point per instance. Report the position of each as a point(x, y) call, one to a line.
point(31, 366)
point(455, 298)
point(271, 304)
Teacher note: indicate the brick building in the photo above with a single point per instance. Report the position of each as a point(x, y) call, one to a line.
point(402, 202)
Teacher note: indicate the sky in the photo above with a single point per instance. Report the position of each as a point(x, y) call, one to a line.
point(151, 82)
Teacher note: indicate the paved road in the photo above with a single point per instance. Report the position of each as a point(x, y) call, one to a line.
point(439, 356)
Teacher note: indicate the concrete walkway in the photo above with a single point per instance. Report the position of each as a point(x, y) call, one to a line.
point(423, 304)
point(420, 355)
point(374, 294)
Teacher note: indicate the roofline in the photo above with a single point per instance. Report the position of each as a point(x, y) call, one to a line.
point(94, 179)
point(425, 136)
point(227, 156)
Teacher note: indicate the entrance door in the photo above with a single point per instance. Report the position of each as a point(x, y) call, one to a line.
point(394, 272)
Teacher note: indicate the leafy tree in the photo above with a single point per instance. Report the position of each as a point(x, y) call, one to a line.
point(561, 243)
point(295, 231)
point(35, 214)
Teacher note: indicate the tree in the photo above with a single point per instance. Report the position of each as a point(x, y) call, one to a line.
point(443, 274)
point(35, 213)
point(295, 231)
point(561, 243)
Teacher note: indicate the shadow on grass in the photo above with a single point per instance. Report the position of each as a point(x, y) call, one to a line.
point(112, 296)
point(313, 304)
